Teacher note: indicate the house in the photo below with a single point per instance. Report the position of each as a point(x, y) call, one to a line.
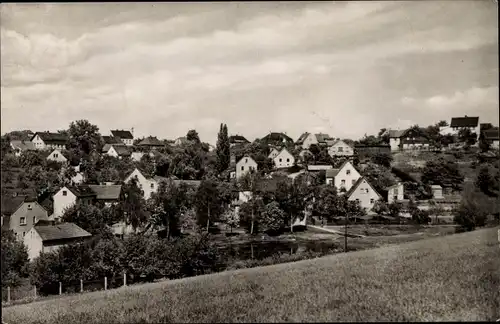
point(244, 165)
point(151, 143)
point(340, 148)
point(77, 178)
point(125, 136)
point(307, 139)
point(46, 140)
point(471, 123)
point(181, 141)
point(136, 156)
point(109, 194)
point(363, 193)
point(344, 177)
point(284, 159)
point(237, 140)
point(491, 136)
point(70, 195)
point(48, 237)
point(274, 153)
point(274, 138)
point(395, 139)
point(395, 193)
point(316, 168)
point(57, 156)
point(437, 192)
point(21, 213)
point(117, 151)
point(414, 139)
point(19, 147)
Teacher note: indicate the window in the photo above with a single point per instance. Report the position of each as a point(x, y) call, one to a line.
point(348, 172)
point(396, 192)
point(22, 220)
point(281, 160)
point(341, 149)
point(372, 201)
point(395, 197)
point(242, 168)
point(342, 182)
point(56, 155)
point(366, 190)
point(246, 160)
point(29, 207)
point(152, 186)
point(24, 234)
point(65, 193)
point(34, 220)
point(353, 181)
point(288, 160)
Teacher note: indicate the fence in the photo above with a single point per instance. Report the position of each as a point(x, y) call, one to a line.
point(27, 293)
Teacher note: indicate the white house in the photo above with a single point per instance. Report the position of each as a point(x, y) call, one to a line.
point(57, 156)
point(273, 154)
point(307, 139)
point(364, 193)
point(77, 178)
point(136, 156)
point(68, 196)
point(340, 148)
point(284, 159)
point(395, 193)
point(125, 136)
point(344, 177)
point(47, 237)
point(395, 139)
point(148, 185)
point(46, 140)
point(244, 165)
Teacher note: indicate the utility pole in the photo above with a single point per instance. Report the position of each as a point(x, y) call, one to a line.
point(345, 234)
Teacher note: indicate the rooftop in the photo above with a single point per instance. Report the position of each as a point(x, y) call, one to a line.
point(106, 192)
point(122, 134)
point(52, 138)
point(464, 121)
point(61, 231)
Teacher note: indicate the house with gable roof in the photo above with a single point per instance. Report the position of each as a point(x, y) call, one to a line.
point(307, 139)
point(363, 192)
point(276, 139)
point(68, 196)
point(57, 156)
point(274, 152)
point(244, 165)
point(344, 177)
point(47, 140)
point(117, 151)
point(340, 148)
point(20, 213)
point(284, 159)
point(48, 237)
point(19, 147)
point(237, 140)
point(151, 143)
point(125, 136)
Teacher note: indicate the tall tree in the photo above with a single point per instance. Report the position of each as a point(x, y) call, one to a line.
point(14, 259)
point(208, 203)
point(133, 205)
point(193, 136)
point(84, 137)
point(293, 198)
point(222, 149)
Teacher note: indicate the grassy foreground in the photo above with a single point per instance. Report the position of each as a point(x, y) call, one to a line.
point(452, 278)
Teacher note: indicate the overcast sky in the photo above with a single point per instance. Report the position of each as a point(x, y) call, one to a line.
point(344, 68)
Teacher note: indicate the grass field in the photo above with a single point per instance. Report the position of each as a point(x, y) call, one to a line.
point(450, 278)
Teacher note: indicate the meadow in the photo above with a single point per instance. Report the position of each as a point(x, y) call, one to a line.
point(449, 278)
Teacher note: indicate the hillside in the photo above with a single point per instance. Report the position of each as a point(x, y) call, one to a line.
point(450, 278)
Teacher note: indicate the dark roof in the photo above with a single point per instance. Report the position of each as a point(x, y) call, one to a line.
point(464, 121)
point(322, 138)
point(111, 140)
point(52, 138)
point(194, 183)
point(302, 138)
point(81, 191)
point(22, 145)
point(332, 173)
point(237, 139)
point(10, 204)
point(397, 133)
point(373, 145)
point(151, 141)
point(122, 150)
point(277, 137)
point(106, 192)
point(60, 231)
point(491, 134)
point(267, 185)
point(123, 134)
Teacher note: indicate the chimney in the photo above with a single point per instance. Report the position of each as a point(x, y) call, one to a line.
point(132, 131)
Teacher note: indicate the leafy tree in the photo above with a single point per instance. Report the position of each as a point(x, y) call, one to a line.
point(14, 259)
point(31, 159)
point(465, 135)
point(442, 123)
point(328, 203)
point(442, 172)
point(188, 163)
point(250, 213)
point(208, 203)
point(394, 209)
point(272, 218)
point(486, 183)
point(133, 205)
point(383, 136)
point(222, 149)
point(84, 137)
point(89, 217)
point(293, 197)
point(473, 210)
point(193, 136)
point(230, 218)
point(380, 207)
point(382, 159)
point(420, 216)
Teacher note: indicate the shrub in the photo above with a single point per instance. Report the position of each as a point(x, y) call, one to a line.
point(14, 260)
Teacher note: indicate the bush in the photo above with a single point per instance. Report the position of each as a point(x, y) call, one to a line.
point(14, 260)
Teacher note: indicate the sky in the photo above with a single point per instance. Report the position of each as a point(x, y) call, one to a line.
point(342, 68)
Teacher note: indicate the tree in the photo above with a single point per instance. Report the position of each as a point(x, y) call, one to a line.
point(465, 135)
point(394, 209)
point(208, 203)
point(250, 213)
point(272, 218)
point(380, 207)
point(89, 217)
point(293, 197)
point(328, 203)
point(382, 159)
point(486, 183)
point(29, 159)
point(222, 149)
point(442, 123)
point(84, 137)
point(133, 205)
point(14, 259)
point(442, 172)
point(230, 218)
point(192, 136)
point(473, 210)
point(250, 182)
